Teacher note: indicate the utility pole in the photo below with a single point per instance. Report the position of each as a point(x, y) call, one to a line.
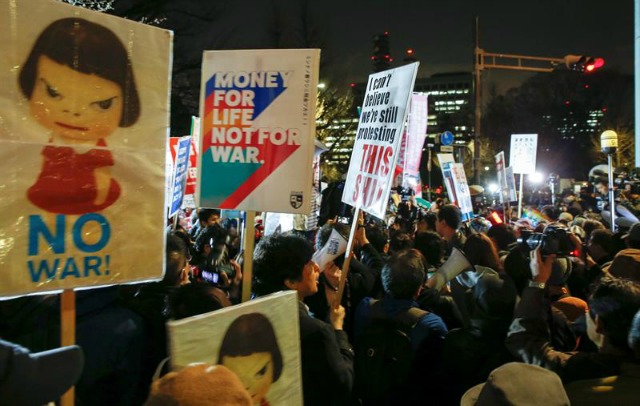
point(487, 60)
point(477, 89)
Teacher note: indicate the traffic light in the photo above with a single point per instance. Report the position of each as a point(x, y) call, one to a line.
point(409, 55)
point(583, 63)
point(381, 56)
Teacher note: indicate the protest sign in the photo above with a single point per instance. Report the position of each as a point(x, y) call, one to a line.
point(502, 178)
point(83, 142)
point(277, 223)
point(378, 137)
point(180, 149)
point(445, 161)
point(258, 126)
point(168, 171)
point(413, 143)
point(511, 184)
point(462, 193)
point(522, 156)
point(335, 246)
point(263, 331)
point(193, 158)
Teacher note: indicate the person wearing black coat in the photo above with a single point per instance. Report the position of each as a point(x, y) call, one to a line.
point(363, 279)
point(283, 262)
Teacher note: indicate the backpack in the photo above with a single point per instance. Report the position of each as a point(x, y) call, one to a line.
point(384, 354)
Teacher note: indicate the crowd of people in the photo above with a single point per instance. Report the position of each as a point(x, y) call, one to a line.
point(495, 310)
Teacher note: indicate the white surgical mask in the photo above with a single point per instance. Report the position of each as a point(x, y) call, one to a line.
point(597, 338)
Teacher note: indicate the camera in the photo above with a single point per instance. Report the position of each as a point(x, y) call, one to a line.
point(217, 263)
point(554, 240)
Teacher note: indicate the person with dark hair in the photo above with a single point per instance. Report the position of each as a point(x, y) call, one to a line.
point(80, 85)
point(601, 246)
point(283, 262)
point(400, 241)
point(150, 300)
point(363, 278)
point(431, 245)
point(212, 263)
point(250, 349)
point(481, 252)
point(503, 236)
point(403, 278)
point(632, 237)
point(379, 238)
point(448, 221)
point(426, 221)
point(193, 299)
point(612, 306)
point(471, 353)
point(621, 388)
point(206, 217)
point(598, 252)
point(550, 213)
point(589, 225)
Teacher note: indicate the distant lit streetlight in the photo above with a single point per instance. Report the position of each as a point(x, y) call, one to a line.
point(536, 178)
point(321, 85)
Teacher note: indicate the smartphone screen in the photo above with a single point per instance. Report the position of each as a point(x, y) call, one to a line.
point(211, 277)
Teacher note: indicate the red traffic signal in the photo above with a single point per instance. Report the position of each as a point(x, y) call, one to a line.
point(593, 64)
point(582, 63)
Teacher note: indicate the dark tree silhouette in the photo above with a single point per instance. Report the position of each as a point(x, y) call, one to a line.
point(568, 111)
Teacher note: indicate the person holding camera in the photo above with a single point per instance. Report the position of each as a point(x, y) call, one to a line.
point(612, 306)
point(213, 264)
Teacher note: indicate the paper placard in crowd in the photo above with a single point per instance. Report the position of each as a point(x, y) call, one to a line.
point(265, 331)
point(413, 143)
point(511, 184)
point(180, 149)
point(335, 246)
point(377, 141)
point(522, 156)
point(83, 141)
point(445, 161)
point(463, 195)
point(277, 223)
point(258, 128)
point(502, 178)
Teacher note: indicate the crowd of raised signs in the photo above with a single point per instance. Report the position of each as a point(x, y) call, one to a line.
point(541, 309)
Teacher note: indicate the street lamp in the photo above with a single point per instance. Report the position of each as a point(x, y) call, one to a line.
point(609, 145)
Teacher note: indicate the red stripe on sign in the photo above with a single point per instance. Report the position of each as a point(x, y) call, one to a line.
point(279, 156)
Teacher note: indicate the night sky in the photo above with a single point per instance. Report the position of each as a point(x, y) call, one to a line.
point(441, 32)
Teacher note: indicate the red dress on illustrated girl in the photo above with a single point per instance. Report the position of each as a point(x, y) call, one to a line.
point(67, 182)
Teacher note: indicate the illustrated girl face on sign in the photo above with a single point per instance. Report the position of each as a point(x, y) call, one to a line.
point(79, 81)
point(250, 349)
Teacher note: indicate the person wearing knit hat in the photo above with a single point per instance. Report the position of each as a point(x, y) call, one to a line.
point(518, 384)
point(199, 385)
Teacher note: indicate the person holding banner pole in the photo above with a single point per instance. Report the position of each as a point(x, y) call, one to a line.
point(448, 222)
point(284, 262)
point(361, 282)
